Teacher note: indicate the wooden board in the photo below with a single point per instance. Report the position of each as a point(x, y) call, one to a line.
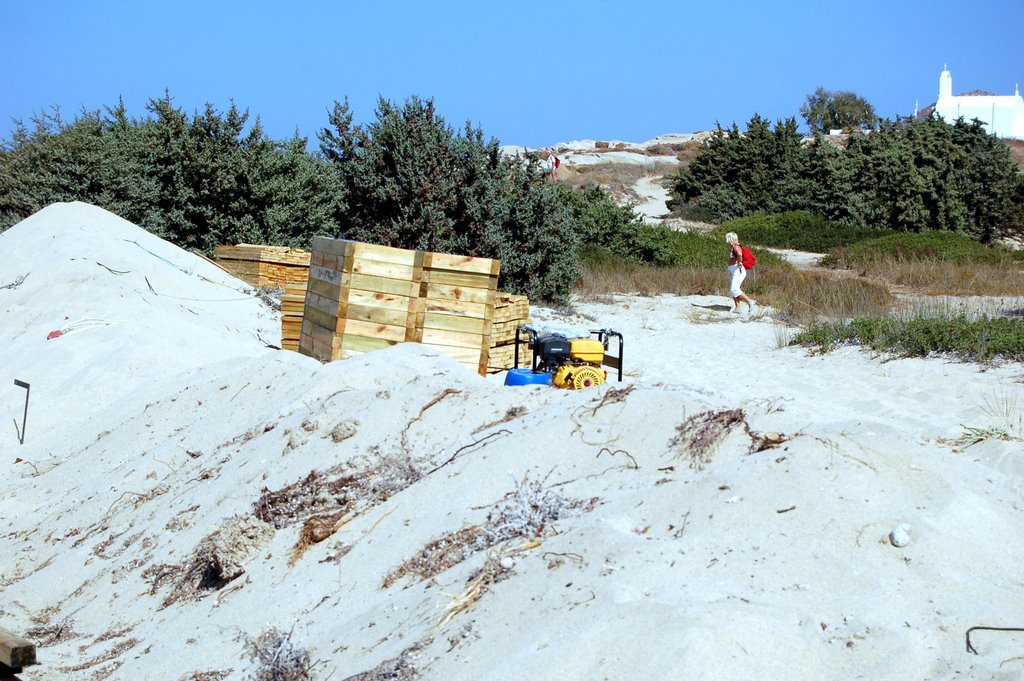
point(374, 284)
point(458, 307)
point(450, 322)
point(354, 344)
point(466, 279)
point(16, 652)
point(457, 293)
point(380, 268)
point(363, 251)
point(461, 263)
point(453, 338)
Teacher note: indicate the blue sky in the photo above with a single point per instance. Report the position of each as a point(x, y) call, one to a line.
point(527, 72)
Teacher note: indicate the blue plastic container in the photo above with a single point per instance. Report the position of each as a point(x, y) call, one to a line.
point(527, 377)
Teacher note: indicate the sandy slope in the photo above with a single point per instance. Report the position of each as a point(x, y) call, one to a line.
point(155, 438)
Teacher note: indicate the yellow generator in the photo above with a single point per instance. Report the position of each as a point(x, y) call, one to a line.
point(567, 359)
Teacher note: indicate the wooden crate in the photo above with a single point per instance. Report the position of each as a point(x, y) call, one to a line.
point(360, 297)
point(264, 266)
point(458, 294)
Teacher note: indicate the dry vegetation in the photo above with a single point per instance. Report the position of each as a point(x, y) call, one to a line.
point(618, 179)
point(804, 296)
point(1016, 152)
point(797, 296)
point(524, 513)
point(945, 278)
point(698, 437)
point(279, 659)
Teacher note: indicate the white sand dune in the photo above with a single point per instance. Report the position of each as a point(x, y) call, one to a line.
point(612, 543)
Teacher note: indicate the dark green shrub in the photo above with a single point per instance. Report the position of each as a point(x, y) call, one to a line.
point(942, 246)
point(410, 181)
point(197, 181)
point(907, 176)
point(607, 228)
point(797, 230)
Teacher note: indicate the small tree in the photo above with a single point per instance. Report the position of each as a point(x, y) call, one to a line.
point(410, 180)
point(842, 110)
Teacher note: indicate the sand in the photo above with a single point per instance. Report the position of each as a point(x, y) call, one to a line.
point(725, 512)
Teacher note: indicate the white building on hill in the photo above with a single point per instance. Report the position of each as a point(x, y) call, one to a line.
point(1002, 116)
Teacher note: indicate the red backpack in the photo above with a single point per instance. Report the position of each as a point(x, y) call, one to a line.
point(748, 258)
point(558, 162)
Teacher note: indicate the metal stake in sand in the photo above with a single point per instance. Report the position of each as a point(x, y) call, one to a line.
point(24, 420)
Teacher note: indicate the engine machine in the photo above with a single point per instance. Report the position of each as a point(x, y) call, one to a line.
point(572, 360)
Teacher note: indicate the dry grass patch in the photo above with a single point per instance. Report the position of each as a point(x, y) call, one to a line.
point(279, 658)
point(401, 668)
point(617, 178)
point(801, 297)
point(219, 559)
point(524, 513)
point(324, 501)
point(51, 633)
point(647, 280)
point(937, 277)
point(698, 437)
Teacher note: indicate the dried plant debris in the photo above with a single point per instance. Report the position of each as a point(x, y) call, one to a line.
point(213, 675)
point(315, 530)
point(511, 414)
point(525, 512)
point(498, 567)
point(270, 296)
point(762, 441)
point(279, 658)
point(107, 656)
point(401, 668)
point(219, 559)
point(698, 436)
point(324, 501)
point(51, 633)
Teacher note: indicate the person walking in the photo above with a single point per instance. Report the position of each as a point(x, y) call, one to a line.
point(551, 164)
point(737, 273)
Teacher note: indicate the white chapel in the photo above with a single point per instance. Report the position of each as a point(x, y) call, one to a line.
point(1002, 116)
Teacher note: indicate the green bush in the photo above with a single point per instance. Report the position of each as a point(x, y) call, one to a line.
point(909, 176)
point(798, 230)
point(977, 340)
point(941, 246)
point(608, 230)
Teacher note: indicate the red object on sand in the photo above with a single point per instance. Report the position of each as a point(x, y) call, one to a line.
point(54, 334)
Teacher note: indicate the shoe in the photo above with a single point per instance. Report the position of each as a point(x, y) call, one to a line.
point(736, 311)
point(753, 304)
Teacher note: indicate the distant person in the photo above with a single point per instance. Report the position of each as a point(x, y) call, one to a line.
point(551, 164)
point(737, 273)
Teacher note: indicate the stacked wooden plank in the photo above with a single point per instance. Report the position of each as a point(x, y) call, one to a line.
point(510, 311)
point(264, 266)
point(359, 298)
point(292, 303)
point(458, 295)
